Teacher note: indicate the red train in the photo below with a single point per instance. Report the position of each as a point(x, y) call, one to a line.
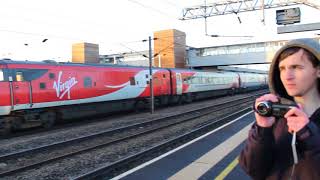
point(43, 92)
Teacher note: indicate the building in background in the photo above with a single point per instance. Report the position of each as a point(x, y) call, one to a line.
point(128, 58)
point(170, 49)
point(85, 53)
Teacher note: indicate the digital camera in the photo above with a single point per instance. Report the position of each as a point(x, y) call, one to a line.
point(268, 108)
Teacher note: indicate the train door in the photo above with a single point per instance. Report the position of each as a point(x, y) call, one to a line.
point(166, 83)
point(160, 84)
point(179, 83)
point(21, 89)
point(6, 98)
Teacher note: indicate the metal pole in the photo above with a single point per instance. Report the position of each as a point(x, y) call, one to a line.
point(205, 17)
point(150, 73)
point(263, 13)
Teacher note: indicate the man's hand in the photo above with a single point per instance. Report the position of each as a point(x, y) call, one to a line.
point(265, 121)
point(296, 119)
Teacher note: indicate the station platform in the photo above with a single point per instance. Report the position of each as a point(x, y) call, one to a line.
point(211, 156)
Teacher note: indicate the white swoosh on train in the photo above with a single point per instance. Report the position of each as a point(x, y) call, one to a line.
point(118, 86)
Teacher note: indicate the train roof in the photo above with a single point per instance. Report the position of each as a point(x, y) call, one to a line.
point(54, 63)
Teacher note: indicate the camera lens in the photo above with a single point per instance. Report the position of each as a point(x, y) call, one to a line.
point(264, 108)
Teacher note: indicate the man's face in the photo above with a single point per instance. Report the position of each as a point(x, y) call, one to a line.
point(298, 75)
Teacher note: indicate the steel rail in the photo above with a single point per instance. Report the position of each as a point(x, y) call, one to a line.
point(11, 156)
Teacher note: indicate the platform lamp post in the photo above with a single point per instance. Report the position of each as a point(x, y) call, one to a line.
point(151, 82)
point(150, 74)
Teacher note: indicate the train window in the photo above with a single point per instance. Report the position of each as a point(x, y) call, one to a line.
point(51, 76)
point(218, 81)
point(19, 76)
point(42, 85)
point(1, 75)
point(29, 74)
point(229, 80)
point(87, 82)
point(132, 81)
point(192, 80)
point(195, 80)
point(211, 80)
point(204, 80)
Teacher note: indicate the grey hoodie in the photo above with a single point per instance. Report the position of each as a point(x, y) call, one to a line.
point(275, 84)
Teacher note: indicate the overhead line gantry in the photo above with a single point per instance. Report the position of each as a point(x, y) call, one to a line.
point(224, 7)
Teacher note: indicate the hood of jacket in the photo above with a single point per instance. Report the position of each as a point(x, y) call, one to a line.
point(275, 84)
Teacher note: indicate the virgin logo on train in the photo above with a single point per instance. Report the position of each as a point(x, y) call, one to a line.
point(64, 87)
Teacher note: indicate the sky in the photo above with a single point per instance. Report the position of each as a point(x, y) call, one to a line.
point(121, 25)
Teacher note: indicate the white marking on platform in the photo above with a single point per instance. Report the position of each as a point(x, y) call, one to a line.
point(174, 150)
point(199, 167)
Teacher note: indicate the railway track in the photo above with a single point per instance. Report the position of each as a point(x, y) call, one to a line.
point(30, 159)
point(111, 170)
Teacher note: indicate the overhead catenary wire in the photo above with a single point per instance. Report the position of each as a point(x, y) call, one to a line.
point(42, 35)
point(150, 8)
point(57, 24)
point(155, 53)
point(45, 36)
point(98, 41)
point(172, 4)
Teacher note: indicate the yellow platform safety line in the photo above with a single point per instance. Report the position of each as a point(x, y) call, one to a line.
point(228, 169)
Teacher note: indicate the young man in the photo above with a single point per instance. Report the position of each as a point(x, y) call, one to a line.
point(293, 77)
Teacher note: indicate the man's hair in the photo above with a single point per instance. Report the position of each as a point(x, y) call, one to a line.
point(311, 57)
point(288, 52)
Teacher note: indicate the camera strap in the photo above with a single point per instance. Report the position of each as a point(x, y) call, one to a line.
point(294, 152)
point(294, 149)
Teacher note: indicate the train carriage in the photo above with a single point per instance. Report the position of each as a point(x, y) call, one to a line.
point(43, 92)
point(250, 81)
point(203, 84)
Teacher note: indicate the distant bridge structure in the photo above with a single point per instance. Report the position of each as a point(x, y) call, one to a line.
point(236, 54)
